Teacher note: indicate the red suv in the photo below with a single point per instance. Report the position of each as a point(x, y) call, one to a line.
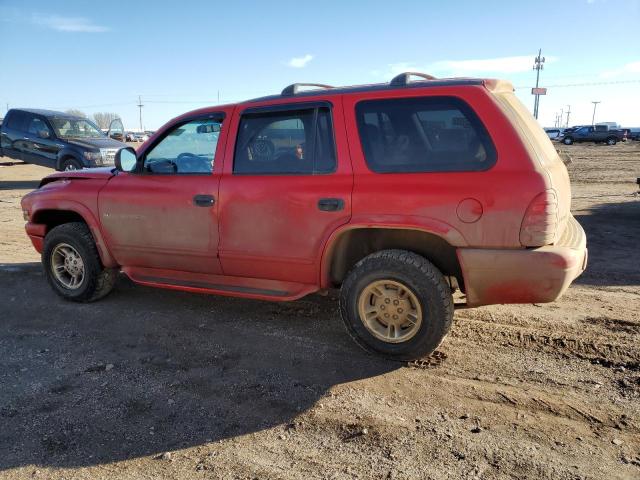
point(398, 194)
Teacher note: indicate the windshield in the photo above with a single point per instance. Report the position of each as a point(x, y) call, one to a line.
point(75, 127)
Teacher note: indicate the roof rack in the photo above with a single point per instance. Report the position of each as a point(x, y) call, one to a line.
point(295, 88)
point(403, 79)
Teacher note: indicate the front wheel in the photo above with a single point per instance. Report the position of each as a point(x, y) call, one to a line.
point(567, 140)
point(611, 141)
point(72, 264)
point(70, 164)
point(397, 304)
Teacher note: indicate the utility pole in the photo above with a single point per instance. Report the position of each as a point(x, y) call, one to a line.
point(568, 113)
point(538, 64)
point(593, 118)
point(140, 105)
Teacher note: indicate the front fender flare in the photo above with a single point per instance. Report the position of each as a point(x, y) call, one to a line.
point(87, 215)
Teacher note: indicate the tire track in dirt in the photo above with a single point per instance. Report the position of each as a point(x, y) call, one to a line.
point(581, 345)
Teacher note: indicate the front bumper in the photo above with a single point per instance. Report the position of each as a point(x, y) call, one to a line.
point(36, 232)
point(534, 275)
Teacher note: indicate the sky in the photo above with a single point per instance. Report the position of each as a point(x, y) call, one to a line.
point(178, 56)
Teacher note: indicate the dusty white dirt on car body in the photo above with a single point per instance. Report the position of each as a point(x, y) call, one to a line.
point(160, 384)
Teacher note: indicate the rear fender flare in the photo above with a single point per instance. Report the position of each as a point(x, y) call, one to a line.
point(400, 222)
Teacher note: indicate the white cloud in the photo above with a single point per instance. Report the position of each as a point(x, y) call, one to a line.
point(68, 24)
point(473, 67)
point(300, 62)
point(632, 67)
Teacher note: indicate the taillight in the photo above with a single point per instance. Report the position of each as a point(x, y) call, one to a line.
point(540, 222)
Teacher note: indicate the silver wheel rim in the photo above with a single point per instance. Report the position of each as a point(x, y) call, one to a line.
point(69, 166)
point(67, 266)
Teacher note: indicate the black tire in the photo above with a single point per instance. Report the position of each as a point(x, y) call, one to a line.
point(97, 281)
point(423, 279)
point(70, 163)
point(567, 140)
point(612, 140)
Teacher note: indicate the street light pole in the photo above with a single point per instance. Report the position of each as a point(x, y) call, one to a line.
point(593, 118)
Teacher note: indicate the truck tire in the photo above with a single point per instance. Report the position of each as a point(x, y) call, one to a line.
point(567, 140)
point(612, 140)
point(397, 304)
point(72, 264)
point(70, 163)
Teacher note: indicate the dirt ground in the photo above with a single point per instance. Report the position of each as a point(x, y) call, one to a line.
point(160, 384)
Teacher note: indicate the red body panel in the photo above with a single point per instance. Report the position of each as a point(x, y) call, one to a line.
point(265, 236)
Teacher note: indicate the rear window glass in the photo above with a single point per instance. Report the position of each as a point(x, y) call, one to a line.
point(434, 134)
point(529, 128)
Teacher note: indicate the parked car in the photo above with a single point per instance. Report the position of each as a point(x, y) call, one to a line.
point(634, 134)
point(593, 133)
point(399, 194)
point(130, 136)
point(140, 137)
point(554, 133)
point(55, 139)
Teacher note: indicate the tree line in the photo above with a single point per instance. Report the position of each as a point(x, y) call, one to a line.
point(102, 119)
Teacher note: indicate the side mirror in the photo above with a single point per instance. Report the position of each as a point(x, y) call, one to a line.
point(44, 134)
point(126, 160)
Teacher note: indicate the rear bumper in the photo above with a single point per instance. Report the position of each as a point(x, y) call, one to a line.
point(537, 275)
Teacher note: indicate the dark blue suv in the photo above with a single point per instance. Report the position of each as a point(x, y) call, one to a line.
point(57, 140)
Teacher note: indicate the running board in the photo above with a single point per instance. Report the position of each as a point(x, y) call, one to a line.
point(219, 284)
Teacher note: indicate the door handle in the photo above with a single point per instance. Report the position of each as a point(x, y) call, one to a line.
point(330, 204)
point(204, 200)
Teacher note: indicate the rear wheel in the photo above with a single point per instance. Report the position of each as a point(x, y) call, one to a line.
point(396, 303)
point(72, 264)
point(611, 141)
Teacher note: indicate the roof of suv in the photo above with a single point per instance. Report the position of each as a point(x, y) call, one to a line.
point(46, 113)
point(292, 90)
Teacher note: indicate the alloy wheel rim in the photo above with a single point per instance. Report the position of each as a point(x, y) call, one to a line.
point(390, 311)
point(67, 266)
point(69, 166)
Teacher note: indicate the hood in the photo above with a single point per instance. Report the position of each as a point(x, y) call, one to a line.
point(86, 173)
point(95, 142)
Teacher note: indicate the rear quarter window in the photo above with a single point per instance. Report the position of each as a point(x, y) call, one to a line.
point(423, 134)
point(529, 128)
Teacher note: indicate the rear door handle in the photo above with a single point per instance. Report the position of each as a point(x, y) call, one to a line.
point(330, 204)
point(204, 200)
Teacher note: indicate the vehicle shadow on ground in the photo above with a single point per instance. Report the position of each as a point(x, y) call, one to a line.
point(613, 239)
point(146, 371)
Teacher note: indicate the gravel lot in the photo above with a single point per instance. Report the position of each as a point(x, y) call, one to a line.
point(160, 384)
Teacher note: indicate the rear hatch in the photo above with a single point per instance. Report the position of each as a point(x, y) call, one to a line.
point(542, 151)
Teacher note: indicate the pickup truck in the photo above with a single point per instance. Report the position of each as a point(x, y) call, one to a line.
point(58, 140)
point(595, 134)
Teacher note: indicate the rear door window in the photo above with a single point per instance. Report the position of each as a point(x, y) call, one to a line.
point(291, 142)
point(16, 120)
point(424, 134)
